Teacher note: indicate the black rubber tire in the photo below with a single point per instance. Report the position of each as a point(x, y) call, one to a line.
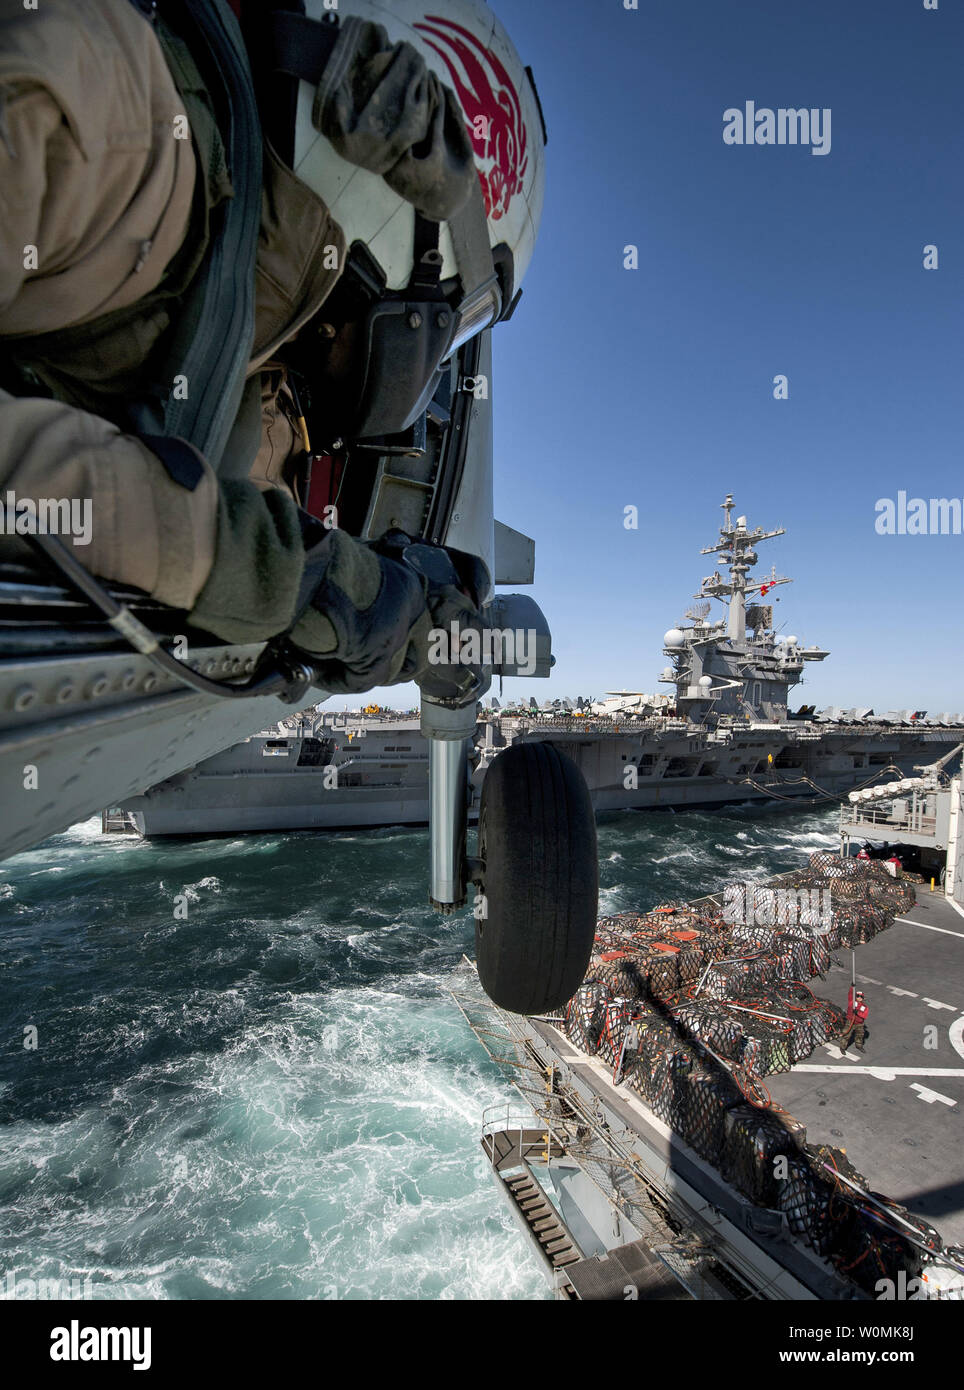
point(537, 841)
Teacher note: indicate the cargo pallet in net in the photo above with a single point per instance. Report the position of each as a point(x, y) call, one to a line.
point(695, 1011)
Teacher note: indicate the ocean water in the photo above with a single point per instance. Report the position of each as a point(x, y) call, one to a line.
point(243, 1076)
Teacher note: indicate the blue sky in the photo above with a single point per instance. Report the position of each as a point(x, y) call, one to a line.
point(654, 387)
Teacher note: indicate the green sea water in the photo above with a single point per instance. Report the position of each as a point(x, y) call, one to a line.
point(274, 1097)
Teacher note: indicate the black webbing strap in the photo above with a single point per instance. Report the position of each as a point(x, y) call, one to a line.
point(302, 46)
point(181, 461)
point(427, 262)
point(426, 236)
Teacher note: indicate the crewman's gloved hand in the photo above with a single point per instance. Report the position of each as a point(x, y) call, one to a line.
point(383, 109)
point(454, 582)
point(371, 611)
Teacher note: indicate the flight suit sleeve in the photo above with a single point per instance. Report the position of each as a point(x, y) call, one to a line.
point(226, 552)
point(97, 192)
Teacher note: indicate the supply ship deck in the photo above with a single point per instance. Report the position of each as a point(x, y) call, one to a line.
point(625, 1207)
point(898, 1109)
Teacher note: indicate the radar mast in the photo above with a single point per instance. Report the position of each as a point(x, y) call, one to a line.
point(736, 549)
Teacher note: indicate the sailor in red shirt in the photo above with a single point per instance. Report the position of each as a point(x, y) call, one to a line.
point(856, 1028)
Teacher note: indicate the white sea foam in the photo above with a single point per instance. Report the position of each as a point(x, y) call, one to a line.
point(208, 884)
point(330, 1153)
point(261, 1131)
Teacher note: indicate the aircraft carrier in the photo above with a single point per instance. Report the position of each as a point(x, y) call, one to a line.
point(724, 735)
point(318, 770)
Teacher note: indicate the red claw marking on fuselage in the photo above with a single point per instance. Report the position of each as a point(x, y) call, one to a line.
point(484, 88)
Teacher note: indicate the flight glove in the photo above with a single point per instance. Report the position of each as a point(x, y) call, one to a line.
point(383, 109)
point(374, 615)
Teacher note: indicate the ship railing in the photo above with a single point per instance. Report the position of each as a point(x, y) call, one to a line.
point(920, 818)
point(533, 1137)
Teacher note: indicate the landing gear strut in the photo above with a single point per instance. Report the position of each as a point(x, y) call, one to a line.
point(536, 873)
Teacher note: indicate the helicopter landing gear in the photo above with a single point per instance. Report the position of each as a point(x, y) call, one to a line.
point(538, 879)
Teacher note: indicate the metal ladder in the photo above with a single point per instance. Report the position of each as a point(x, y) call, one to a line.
point(548, 1230)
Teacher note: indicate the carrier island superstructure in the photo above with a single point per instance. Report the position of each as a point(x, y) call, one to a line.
point(729, 736)
point(719, 670)
point(724, 735)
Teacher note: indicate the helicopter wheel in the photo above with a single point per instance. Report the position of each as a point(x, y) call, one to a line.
point(536, 914)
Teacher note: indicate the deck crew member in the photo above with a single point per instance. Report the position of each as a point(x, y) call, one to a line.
point(856, 1029)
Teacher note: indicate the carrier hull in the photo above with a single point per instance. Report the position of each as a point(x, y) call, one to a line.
point(381, 774)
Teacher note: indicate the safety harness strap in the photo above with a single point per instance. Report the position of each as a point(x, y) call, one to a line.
point(181, 462)
point(303, 46)
point(473, 255)
point(426, 257)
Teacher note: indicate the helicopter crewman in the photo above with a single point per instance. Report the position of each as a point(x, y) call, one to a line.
point(395, 169)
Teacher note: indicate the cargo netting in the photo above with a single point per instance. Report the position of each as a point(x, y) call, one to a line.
point(692, 1009)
